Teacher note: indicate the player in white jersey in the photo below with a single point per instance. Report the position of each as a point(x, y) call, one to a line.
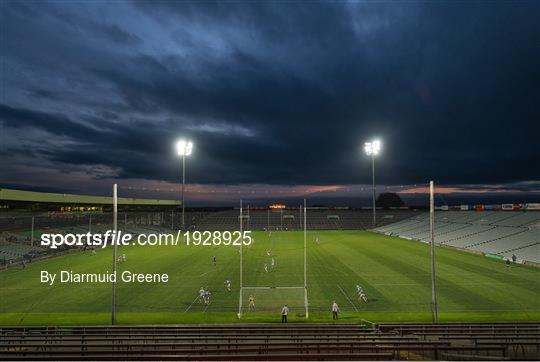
point(228, 284)
point(201, 295)
point(266, 267)
point(273, 263)
point(206, 297)
point(361, 294)
point(124, 257)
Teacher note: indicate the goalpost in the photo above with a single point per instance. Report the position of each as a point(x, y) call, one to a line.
point(297, 293)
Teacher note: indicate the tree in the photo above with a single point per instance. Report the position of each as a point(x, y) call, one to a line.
point(389, 199)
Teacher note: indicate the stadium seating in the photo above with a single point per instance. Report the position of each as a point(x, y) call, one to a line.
point(12, 251)
point(491, 232)
point(273, 342)
point(317, 219)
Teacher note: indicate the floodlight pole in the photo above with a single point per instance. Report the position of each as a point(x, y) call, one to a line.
point(183, 187)
point(372, 149)
point(115, 220)
point(306, 305)
point(373, 189)
point(432, 237)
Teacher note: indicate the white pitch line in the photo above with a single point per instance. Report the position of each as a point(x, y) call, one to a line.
point(273, 287)
point(191, 304)
point(365, 320)
point(342, 291)
point(205, 273)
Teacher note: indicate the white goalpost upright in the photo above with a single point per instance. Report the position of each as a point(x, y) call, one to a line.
point(241, 263)
point(114, 249)
point(298, 288)
point(305, 261)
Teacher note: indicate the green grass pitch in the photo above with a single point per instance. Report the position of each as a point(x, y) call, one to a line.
point(394, 272)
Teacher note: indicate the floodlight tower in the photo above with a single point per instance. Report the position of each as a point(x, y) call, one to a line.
point(372, 149)
point(184, 148)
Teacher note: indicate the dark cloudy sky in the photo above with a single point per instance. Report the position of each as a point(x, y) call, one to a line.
point(273, 94)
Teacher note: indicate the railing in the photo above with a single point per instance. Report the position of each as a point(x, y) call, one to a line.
point(496, 341)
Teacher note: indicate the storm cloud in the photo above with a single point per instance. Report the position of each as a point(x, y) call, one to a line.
point(281, 93)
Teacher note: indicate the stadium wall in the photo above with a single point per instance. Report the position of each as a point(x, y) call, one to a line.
point(19, 198)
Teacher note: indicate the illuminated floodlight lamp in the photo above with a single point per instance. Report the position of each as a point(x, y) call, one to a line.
point(184, 148)
point(372, 148)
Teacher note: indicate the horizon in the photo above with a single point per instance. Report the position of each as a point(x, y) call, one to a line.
point(354, 196)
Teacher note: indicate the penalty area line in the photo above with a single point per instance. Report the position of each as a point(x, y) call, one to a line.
point(188, 308)
point(273, 287)
point(342, 291)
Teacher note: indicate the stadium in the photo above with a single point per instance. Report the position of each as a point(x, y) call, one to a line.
point(342, 250)
point(285, 181)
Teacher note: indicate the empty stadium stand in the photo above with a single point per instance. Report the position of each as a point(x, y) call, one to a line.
point(504, 341)
point(317, 219)
point(12, 251)
point(490, 232)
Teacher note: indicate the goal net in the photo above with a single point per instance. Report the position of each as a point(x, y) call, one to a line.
point(273, 273)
